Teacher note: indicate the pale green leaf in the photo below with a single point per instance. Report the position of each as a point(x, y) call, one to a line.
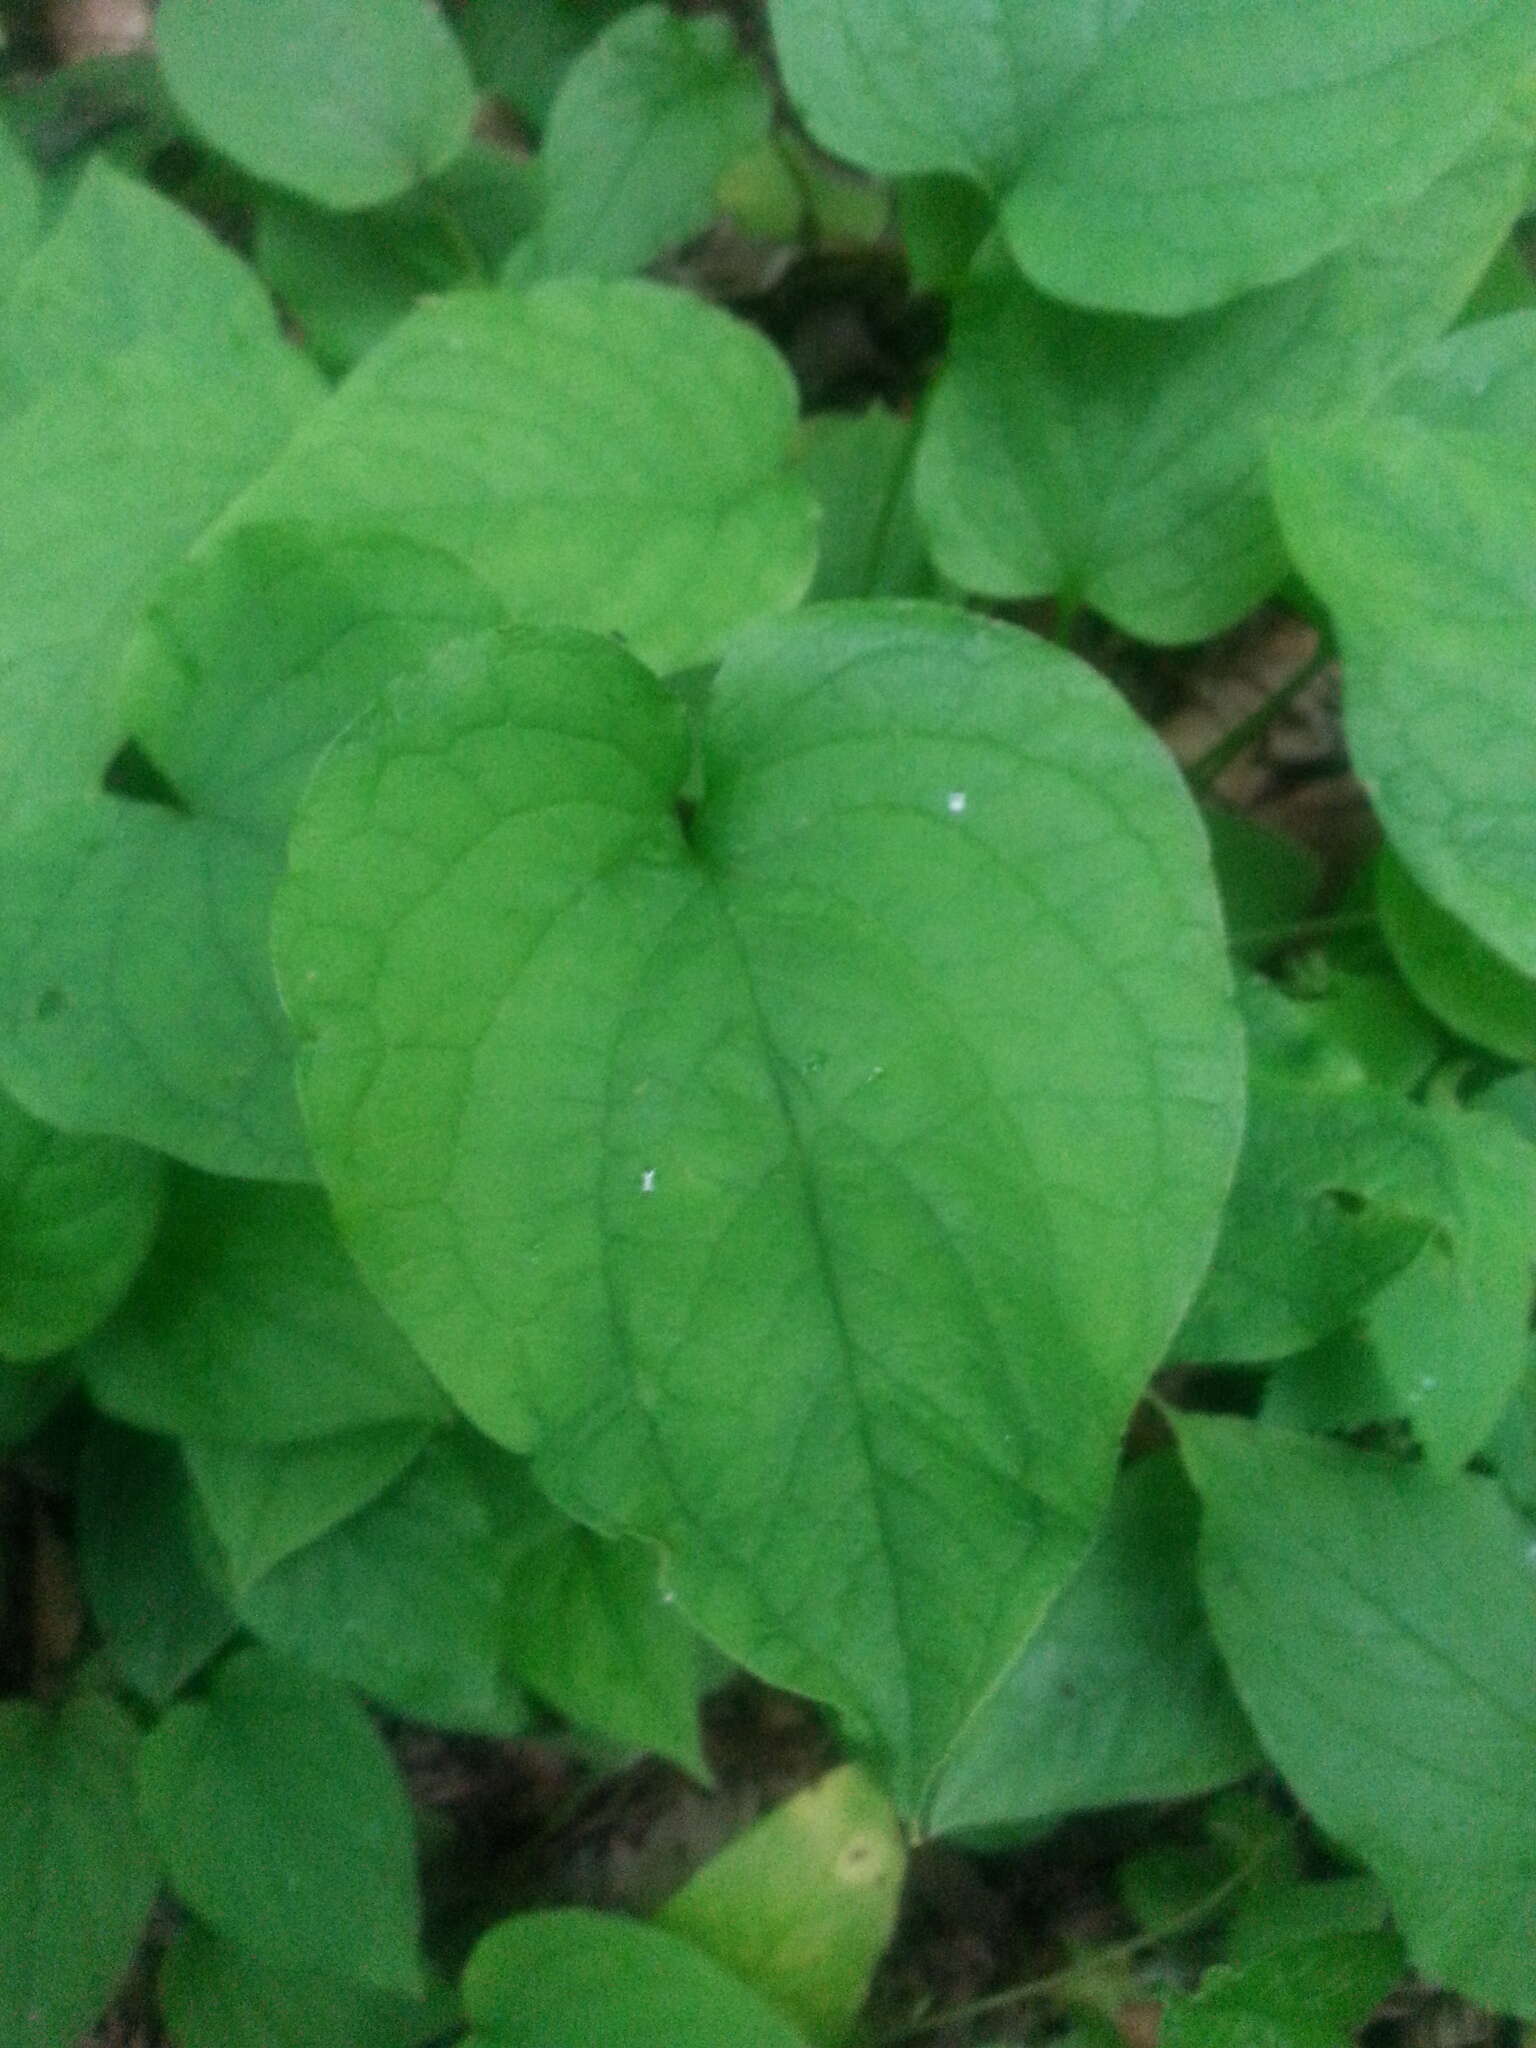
point(1472, 990)
point(1313, 1994)
point(266, 1501)
point(251, 1326)
point(280, 1819)
point(802, 1905)
point(1161, 157)
point(76, 1881)
point(922, 1026)
point(348, 108)
point(1422, 543)
point(135, 993)
point(212, 1994)
point(155, 396)
point(143, 1564)
point(76, 1219)
point(1119, 462)
point(604, 454)
point(1119, 1695)
point(1379, 1622)
point(565, 1980)
point(647, 120)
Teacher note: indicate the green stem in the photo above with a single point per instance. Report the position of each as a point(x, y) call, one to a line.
point(1269, 936)
point(1118, 1952)
point(1203, 772)
point(471, 262)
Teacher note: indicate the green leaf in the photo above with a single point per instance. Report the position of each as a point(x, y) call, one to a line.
point(28, 1398)
point(142, 1562)
point(136, 996)
point(1138, 165)
point(349, 278)
point(251, 1326)
point(149, 381)
point(77, 1216)
point(1511, 1449)
point(647, 120)
point(213, 1995)
point(1119, 1695)
point(1313, 1994)
point(20, 209)
point(422, 1579)
point(1469, 988)
point(76, 1882)
point(802, 1905)
point(1419, 540)
point(523, 52)
point(1267, 882)
point(606, 1109)
point(280, 1820)
point(1284, 1911)
point(1482, 378)
point(348, 109)
point(266, 1501)
point(1380, 1625)
point(505, 428)
point(860, 467)
point(564, 1980)
point(1119, 462)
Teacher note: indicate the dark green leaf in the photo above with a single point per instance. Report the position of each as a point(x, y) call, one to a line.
point(348, 109)
point(860, 467)
point(1453, 974)
point(1313, 1994)
point(1277, 1914)
point(214, 1995)
point(523, 51)
point(281, 1821)
point(1120, 1694)
point(1380, 1625)
point(76, 1881)
point(607, 1110)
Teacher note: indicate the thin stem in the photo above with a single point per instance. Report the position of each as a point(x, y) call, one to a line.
point(1118, 1952)
point(1204, 771)
point(471, 262)
point(1268, 936)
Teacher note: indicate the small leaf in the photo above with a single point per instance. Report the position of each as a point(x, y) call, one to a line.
point(1284, 1911)
point(214, 1995)
point(1119, 462)
point(281, 1821)
point(1379, 1622)
point(1267, 881)
point(802, 1905)
point(646, 120)
point(76, 1880)
point(250, 1325)
point(1477, 994)
point(1137, 166)
point(504, 428)
point(523, 52)
point(860, 467)
point(562, 1048)
point(1313, 1994)
point(77, 1216)
point(1419, 540)
point(565, 1980)
point(349, 111)
point(143, 1562)
point(1119, 1695)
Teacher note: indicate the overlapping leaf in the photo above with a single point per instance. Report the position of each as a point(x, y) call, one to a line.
point(859, 1147)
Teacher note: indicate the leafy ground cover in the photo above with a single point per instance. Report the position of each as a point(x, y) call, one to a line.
point(768, 1025)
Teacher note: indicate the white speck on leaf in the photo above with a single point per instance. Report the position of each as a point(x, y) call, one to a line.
point(954, 803)
point(648, 1181)
point(1428, 1383)
point(669, 1598)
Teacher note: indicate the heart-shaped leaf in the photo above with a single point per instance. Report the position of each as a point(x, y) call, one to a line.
point(811, 1184)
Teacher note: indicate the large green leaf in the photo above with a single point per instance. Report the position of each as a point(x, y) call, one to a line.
point(135, 993)
point(348, 108)
point(76, 1219)
point(1159, 157)
point(1312, 1994)
point(647, 120)
point(1119, 1694)
point(1119, 462)
point(604, 454)
point(280, 1819)
point(251, 1326)
point(1479, 995)
point(76, 1881)
point(145, 379)
point(920, 1026)
point(212, 1994)
point(565, 1980)
point(1422, 542)
point(1380, 1625)
point(803, 1904)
